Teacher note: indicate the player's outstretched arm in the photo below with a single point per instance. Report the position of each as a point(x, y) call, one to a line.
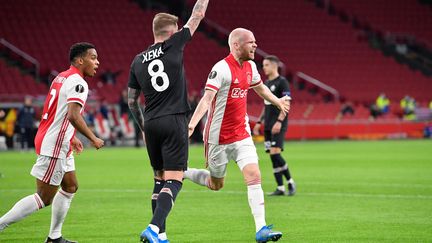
point(75, 118)
point(133, 96)
point(197, 15)
point(282, 103)
point(201, 109)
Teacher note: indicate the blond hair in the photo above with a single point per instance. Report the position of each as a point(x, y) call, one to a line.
point(161, 21)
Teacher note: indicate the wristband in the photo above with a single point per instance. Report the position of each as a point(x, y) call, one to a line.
point(258, 122)
point(279, 120)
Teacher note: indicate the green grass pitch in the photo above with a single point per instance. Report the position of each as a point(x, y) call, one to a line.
point(378, 191)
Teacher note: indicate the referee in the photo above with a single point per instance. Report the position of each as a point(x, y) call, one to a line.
point(275, 126)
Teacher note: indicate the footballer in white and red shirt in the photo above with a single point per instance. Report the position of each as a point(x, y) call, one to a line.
point(55, 140)
point(55, 131)
point(67, 87)
point(227, 134)
point(227, 119)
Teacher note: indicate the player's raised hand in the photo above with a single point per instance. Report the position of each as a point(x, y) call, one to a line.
point(98, 143)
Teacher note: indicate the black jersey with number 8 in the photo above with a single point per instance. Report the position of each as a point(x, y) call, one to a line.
point(159, 73)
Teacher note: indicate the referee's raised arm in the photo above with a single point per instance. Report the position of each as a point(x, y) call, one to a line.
point(197, 15)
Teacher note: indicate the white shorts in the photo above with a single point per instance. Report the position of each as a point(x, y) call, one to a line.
point(51, 170)
point(242, 152)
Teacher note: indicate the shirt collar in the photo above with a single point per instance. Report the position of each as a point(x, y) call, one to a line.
point(232, 59)
point(75, 70)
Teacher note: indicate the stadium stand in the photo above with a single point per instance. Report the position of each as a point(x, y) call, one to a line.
point(400, 16)
point(305, 37)
point(120, 30)
point(311, 41)
point(14, 83)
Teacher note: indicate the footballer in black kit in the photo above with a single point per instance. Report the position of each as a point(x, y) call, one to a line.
point(159, 73)
point(275, 126)
point(279, 87)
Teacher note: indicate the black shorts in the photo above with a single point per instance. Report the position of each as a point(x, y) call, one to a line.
point(273, 140)
point(167, 142)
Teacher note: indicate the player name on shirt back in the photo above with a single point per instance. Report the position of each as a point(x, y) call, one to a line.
point(152, 54)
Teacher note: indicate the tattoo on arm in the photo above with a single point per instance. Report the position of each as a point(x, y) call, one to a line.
point(133, 96)
point(197, 15)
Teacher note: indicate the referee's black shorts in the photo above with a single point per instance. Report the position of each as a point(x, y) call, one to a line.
point(167, 142)
point(274, 140)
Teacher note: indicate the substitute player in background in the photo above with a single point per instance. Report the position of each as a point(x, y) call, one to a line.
point(227, 133)
point(159, 73)
point(55, 141)
point(275, 126)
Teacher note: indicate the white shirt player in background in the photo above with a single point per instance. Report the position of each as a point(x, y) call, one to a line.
point(55, 141)
point(227, 134)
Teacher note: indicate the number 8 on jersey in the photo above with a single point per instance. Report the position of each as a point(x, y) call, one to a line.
point(159, 73)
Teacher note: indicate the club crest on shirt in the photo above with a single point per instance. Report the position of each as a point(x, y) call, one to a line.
point(212, 75)
point(272, 88)
point(79, 88)
point(249, 77)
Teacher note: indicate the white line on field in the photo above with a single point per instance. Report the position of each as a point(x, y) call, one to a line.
point(300, 194)
point(370, 184)
point(344, 184)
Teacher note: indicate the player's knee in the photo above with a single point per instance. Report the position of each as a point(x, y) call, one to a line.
point(70, 188)
point(275, 150)
point(253, 178)
point(216, 186)
point(159, 174)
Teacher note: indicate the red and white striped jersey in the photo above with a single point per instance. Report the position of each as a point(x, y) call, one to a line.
point(227, 121)
point(55, 132)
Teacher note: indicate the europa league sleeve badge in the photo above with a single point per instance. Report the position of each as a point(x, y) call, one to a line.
point(79, 88)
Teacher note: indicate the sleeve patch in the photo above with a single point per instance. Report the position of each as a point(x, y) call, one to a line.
point(79, 88)
point(212, 75)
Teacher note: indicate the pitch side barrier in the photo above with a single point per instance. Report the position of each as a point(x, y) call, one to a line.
point(354, 129)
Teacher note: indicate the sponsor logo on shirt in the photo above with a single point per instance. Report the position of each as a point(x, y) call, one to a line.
point(238, 93)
